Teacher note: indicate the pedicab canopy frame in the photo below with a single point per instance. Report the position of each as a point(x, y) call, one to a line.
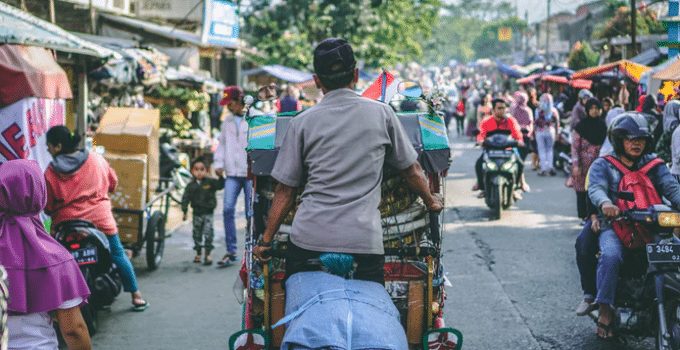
point(413, 271)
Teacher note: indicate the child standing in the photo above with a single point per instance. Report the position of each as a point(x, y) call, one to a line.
point(200, 193)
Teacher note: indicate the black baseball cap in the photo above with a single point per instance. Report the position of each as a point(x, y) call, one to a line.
point(334, 58)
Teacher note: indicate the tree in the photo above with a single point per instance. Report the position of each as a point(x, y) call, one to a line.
point(619, 24)
point(381, 35)
point(582, 56)
point(488, 45)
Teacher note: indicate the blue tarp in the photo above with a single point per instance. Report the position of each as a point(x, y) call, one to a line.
point(509, 71)
point(288, 74)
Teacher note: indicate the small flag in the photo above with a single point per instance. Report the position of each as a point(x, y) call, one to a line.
point(383, 88)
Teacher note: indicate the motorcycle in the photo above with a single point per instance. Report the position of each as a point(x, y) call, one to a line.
point(562, 151)
point(174, 167)
point(648, 291)
point(500, 171)
point(90, 249)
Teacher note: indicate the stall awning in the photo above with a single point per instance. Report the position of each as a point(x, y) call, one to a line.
point(19, 27)
point(288, 74)
point(631, 69)
point(649, 56)
point(555, 79)
point(29, 71)
point(581, 84)
point(670, 73)
point(528, 80)
point(512, 72)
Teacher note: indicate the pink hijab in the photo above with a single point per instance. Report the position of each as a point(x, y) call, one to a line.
point(521, 111)
point(42, 274)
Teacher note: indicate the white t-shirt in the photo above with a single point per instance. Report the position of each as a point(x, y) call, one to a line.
point(35, 331)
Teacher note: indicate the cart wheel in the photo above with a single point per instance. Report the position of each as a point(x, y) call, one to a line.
point(155, 240)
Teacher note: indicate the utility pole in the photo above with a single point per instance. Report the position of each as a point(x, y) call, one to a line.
point(525, 42)
point(633, 23)
point(53, 18)
point(547, 35)
point(23, 5)
point(93, 19)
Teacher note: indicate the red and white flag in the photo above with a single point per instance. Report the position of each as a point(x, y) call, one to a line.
point(383, 88)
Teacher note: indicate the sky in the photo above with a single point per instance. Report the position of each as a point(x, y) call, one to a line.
point(538, 8)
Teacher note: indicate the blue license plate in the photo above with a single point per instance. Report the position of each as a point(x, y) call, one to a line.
point(663, 253)
point(85, 256)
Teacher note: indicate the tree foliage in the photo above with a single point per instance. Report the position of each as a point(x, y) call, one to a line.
point(287, 31)
point(620, 23)
point(487, 44)
point(582, 56)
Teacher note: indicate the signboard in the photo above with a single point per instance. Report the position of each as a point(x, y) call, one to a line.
point(220, 23)
point(504, 34)
point(170, 9)
point(23, 129)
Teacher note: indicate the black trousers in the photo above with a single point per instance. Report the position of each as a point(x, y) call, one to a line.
point(370, 267)
point(460, 124)
point(582, 204)
point(478, 171)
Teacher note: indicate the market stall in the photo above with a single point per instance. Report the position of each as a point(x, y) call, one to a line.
point(606, 78)
point(669, 78)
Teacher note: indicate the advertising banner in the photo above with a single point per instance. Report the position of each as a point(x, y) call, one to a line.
point(220, 23)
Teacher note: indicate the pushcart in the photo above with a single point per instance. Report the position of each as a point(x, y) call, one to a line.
point(148, 225)
point(412, 237)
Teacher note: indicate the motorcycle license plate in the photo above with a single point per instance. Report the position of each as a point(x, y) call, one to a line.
point(663, 253)
point(500, 153)
point(85, 256)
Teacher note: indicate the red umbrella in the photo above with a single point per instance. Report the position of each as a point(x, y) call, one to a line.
point(29, 71)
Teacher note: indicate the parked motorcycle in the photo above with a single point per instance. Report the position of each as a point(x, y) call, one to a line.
point(648, 292)
point(173, 167)
point(562, 151)
point(500, 171)
point(90, 249)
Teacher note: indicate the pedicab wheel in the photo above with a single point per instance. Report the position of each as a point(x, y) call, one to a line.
point(155, 240)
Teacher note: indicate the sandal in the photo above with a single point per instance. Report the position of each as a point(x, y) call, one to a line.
point(208, 260)
point(608, 329)
point(197, 259)
point(140, 307)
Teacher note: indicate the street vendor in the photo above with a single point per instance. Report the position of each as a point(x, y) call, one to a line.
point(334, 153)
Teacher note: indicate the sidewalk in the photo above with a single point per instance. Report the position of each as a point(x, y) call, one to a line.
point(191, 306)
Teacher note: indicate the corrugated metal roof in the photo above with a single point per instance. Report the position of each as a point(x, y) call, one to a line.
point(281, 72)
point(19, 27)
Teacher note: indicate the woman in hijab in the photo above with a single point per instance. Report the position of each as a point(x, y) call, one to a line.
point(547, 128)
point(611, 115)
point(587, 139)
point(525, 117)
point(654, 118)
point(43, 278)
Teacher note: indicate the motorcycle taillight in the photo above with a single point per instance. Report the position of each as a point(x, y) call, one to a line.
point(75, 236)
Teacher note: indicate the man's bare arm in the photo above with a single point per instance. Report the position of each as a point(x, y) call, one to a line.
point(284, 197)
point(416, 181)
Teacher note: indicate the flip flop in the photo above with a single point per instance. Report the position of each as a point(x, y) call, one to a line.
point(140, 307)
point(608, 329)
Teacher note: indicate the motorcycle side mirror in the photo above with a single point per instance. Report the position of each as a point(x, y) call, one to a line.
point(627, 196)
point(267, 93)
point(410, 89)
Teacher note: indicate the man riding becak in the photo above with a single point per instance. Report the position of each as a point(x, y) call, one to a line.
point(335, 152)
point(631, 168)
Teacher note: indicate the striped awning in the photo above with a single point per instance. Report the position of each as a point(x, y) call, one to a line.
point(555, 79)
point(581, 84)
point(631, 69)
point(670, 73)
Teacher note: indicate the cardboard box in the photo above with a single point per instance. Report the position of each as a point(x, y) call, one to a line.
point(131, 169)
point(128, 227)
point(132, 131)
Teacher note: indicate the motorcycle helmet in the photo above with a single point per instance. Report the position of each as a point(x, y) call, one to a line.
point(584, 93)
point(630, 125)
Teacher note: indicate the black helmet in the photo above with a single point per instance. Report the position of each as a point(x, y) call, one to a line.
point(630, 125)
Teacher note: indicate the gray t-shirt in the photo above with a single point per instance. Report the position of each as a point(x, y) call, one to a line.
point(336, 150)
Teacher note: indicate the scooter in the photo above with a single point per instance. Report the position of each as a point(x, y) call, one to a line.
point(500, 171)
point(172, 167)
point(562, 151)
point(90, 249)
point(648, 291)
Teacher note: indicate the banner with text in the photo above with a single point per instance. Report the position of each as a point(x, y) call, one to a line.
point(23, 129)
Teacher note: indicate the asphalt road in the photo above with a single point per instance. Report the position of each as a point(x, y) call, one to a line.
point(515, 282)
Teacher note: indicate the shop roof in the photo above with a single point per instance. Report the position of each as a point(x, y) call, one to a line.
point(161, 30)
point(670, 73)
point(281, 72)
point(19, 27)
point(631, 69)
point(649, 57)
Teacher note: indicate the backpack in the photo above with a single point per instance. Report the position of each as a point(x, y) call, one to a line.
point(635, 235)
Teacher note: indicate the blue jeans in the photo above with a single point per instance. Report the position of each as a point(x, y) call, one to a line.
point(586, 260)
point(611, 257)
point(232, 188)
point(127, 273)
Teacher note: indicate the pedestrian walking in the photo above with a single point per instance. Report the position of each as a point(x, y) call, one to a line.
point(43, 278)
point(231, 162)
point(78, 187)
point(525, 117)
point(290, 102)
point(587, 139)
point(547, 128)
point(200, 194)
point(484, 109)
point(460, 115)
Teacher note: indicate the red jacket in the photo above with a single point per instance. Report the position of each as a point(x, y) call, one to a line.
point(490, 124)
point(83, 194)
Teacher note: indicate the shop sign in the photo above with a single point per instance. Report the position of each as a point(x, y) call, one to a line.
point(23, 129)
point(220, 23)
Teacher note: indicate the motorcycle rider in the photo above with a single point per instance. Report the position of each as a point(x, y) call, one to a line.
point(500, 120)
point(632, 141)
point(340, 186)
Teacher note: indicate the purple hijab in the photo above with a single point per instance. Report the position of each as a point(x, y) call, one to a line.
point(42, 274)
point(521, 111)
